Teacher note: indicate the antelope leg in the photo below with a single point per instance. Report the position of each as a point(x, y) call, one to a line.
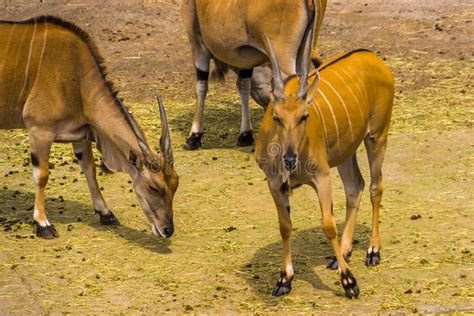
point(83, 152)
point(201, 62)
point(283, 286)
point(375, 152)
point(323, 186)
point(243, 88)
point(40, 146)
point(353, 187)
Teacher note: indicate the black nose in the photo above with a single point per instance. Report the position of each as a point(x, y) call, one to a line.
point(289, 161)
point(168, 231)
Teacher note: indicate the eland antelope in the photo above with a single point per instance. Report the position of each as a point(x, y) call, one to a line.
point(231, 33)
point(317, 122)
point(52, 82)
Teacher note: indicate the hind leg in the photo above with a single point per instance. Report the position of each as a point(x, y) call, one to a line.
point(243, 88)
point(375, 145)
point(40, 146)
point(83, 152)
point(353, 187)
point(201, 62)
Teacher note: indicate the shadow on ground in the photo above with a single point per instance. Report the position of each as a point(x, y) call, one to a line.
point(16, 209)
point(221, 124)
point(310, 249)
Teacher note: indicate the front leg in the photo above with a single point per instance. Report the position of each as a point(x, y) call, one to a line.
point(83, 152)
point(243, 88)
point(282, 204)
point(323, 186)
point(40, 146)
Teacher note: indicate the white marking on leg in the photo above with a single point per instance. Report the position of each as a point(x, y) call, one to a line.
point(243, 88)
point(201, 91)
point(45, 35)
point(25, 80)
point(333, 116)
point(358, 103)
point(37, 212)
point(343, 105)
point(6, 50)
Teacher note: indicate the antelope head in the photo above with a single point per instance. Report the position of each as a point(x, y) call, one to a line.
point(155, 181)
point(290, 103)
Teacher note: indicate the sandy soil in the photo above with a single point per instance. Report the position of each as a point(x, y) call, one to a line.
point(210, 267)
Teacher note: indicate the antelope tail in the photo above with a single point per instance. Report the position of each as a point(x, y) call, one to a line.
point(219, 71)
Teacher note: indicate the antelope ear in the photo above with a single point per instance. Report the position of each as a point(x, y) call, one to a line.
point(313, 89)
point(134, 159)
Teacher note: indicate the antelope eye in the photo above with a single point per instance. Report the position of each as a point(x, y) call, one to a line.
point(304, 118)
point(154, 189)
point(276, 119)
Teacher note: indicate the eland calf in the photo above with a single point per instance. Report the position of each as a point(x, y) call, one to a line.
point(52, 82)
point(317, 122)
point(232, 33)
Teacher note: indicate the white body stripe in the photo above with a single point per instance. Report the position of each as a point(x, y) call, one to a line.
point(317, 106)
point(333, 116)
point(351, 91)
point(16, 67)
point(40, 62)
point(356, 81)
point(25, 80)
point(6, 50)
point(343, 105)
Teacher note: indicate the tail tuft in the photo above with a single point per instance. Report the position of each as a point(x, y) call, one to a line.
point(219, 71)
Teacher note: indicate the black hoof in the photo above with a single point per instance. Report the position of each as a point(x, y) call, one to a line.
point(332, 265)
point(193, 142)
point(245, 139)
point(349, 283)
point(108, 219)
point(283, 286)
point(46, 232)
point(372, 258)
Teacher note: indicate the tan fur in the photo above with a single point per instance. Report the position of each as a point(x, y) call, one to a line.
point(52, 82)
point(233, 32)
point(350, 103)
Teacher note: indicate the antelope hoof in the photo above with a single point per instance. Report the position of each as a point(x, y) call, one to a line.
point(108, 219)
point(193, 142)
point(245, 139)
point(373, 257)
point(349, 284)
point(332, 265)
point(283, 286)
point(46, 232)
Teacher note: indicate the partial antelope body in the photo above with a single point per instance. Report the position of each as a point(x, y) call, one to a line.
point(232, 32)
point(318, 122)
point(262, 75)
point(52, 82)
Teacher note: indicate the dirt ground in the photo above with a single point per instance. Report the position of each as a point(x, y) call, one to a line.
point(225, 255)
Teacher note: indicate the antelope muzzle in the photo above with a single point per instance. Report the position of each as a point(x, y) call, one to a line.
point(290, 161)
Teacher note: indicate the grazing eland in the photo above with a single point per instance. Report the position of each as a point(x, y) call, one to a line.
point(52, 83)
point(317, 122)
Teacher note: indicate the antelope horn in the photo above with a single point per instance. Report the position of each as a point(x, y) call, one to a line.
point(304, 56)
point(165, 139)
point(277, 80)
